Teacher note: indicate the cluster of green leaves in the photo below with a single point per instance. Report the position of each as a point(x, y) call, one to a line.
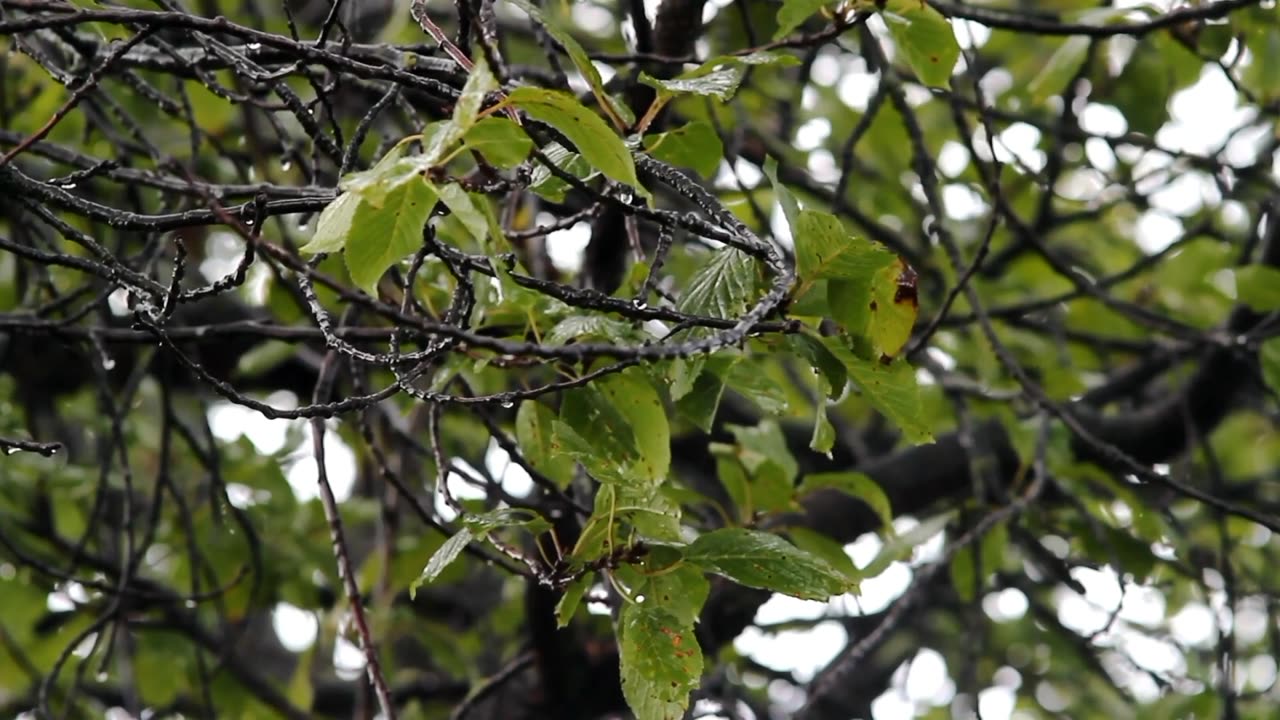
point(617, 429)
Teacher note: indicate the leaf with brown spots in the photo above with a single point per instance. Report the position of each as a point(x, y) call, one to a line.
point(661, 661)
point(925, 38)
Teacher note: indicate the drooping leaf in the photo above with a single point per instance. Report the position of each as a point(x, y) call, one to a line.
point(575, 50)
point(383, 236)
point(1063, 65)
point(443, 557)
point(334, 225)
point(764, 560)
point(972, 564)
point(889, 387)
point(502, 142)
point(855, 485)
point(794, 12)
point(694, 145)
point(1269, 357)
point(925, 38)
point(535, 426)
point(1258, 286)
point(595, 140)
point(900, 546)
point(790, 207)
point(571, 598)
point(661, 662)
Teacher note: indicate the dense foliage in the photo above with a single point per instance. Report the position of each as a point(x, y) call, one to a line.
point(514, 356)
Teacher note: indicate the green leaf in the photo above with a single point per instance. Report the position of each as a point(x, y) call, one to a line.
point(764, 443)
point(794, 12)
point(484, 523)
point(661, 662)
point(695, 145)
point(681, 590)
point(334, 225)
point(700, 403)
point(585, 327)
point(502, 142)
point(734, 479)
point(790, 208)
point(855, 485)
point(824, 547)
point(828, 366)
point(386, 235)
point(723, 287)
point(749, 379)
point(571, 598)
point(721, 83)
point(595, 140)
point(551, 187)
point(894, 306)
point(1269, 356)
point(575, 50)
point(443, 557)
point(926, 40)
point(1258, 286)
point(824, 433)
point(826, 250)
point(763, 560)
point(900, 546)
point(465, 111)
point(463, 207)
point(535, 425)
point(1061, 67)
point(617, 428)
point(964, 574)
point(889, 387)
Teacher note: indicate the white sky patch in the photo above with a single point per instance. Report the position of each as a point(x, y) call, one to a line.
point(953, 158)
point(812, 134)
point(296, 628)
point(856, 88)
point(1103, 120)
point(348, 661)
point(1193, 626)
point(1006, 605)
point(1203, 115)
point(926, 679)
point(803, 652)
point(460, 488)
point(1155, 231)
point(566, 247)
point(514, 478)
point(340, 468)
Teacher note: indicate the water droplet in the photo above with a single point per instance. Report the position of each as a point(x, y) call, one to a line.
point(508, 404)
point(10, 450)
point(255, 46)
point(639, 304)
point(640, 599)
point(286, 166)
point(303, 228)
point(103, 676)
point(68, 186)
point(190, 604)
point(108, 363)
